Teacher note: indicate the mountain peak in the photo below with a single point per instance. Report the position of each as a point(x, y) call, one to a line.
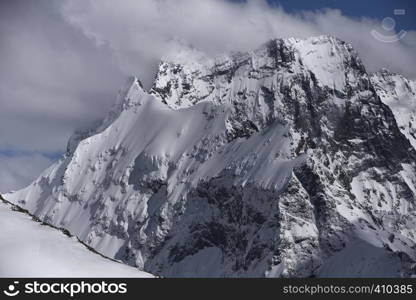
point(332, 63)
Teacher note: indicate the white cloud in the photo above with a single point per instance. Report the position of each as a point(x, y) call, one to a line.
point(140, 32)
point(52, 78)
point(18, 171)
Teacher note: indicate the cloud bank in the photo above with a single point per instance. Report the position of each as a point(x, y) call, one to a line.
point(140, 32)
point(62, 62)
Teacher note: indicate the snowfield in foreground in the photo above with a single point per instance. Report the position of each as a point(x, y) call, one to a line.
point(29, 249)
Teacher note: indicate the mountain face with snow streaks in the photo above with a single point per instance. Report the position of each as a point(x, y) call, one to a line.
point(277, 162)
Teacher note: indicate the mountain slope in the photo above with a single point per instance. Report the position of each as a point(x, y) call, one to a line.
point(31, 250)
point(266, 163)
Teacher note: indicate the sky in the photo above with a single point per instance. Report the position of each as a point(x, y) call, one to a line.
point(370, 8)
point(63, 62)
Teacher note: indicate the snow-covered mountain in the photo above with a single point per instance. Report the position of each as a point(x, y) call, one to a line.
point(290, 160)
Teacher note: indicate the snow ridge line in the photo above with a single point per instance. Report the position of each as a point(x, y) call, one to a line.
point(66, 232)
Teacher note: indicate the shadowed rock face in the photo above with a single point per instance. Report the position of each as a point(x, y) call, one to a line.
point(267, 163)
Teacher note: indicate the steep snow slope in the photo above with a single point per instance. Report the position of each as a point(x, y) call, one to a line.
point(399, 94)
point(29, 249)
point(266, 163)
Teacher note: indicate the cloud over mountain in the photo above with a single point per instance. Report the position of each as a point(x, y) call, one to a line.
point(63, 62)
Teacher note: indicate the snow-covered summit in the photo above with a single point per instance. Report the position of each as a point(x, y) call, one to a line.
point(190, 80)
point(127, 97)
point(264, 163)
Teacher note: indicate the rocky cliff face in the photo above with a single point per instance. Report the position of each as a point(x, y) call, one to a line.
point(288, 161)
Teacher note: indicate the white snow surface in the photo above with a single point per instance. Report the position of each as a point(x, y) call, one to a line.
point(29, 249)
